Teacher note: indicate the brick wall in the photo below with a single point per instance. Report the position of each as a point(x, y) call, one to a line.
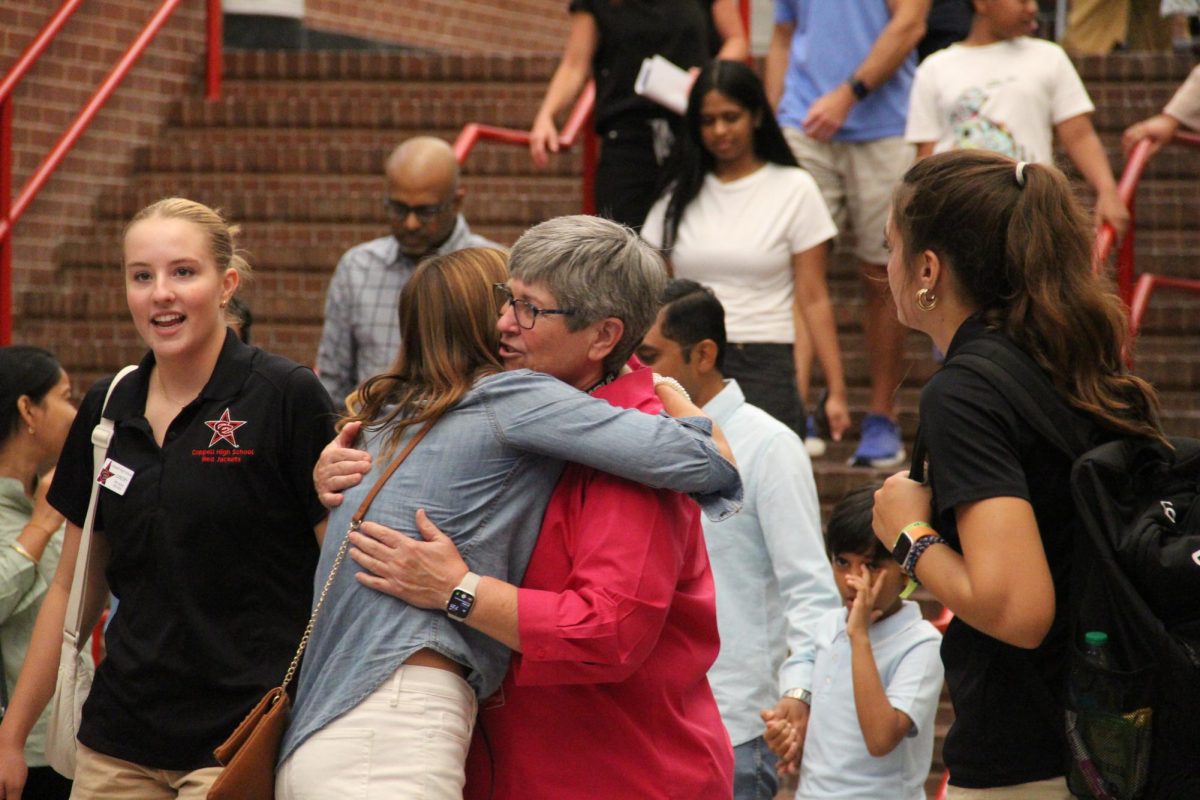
point(472, 25)
point(55, 90)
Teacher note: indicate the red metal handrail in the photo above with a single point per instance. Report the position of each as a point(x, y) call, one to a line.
point(1135, 165)
point(578, 123)
point(11, 210)
point(1135, 290)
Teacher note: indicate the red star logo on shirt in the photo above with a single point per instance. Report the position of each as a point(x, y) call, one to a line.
point(223, 429)
point(105, 473)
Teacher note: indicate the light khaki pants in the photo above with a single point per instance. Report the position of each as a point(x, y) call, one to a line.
point(1052, 789)
point(101, 777)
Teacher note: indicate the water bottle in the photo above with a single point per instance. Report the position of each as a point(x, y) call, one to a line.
point(1090, 690)
point(1095, 649)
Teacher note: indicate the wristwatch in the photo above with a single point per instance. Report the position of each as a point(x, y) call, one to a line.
point(860, 89)
point(904, 540)
point(462, 598)
point(803, 695)
point(901, 547)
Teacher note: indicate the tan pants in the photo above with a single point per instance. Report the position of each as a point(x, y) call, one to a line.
point(101, 777)
point(1052, 789)
point(1097, 26)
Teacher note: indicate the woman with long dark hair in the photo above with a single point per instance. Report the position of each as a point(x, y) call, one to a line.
point(986, 249)
point(36, 411)
point(739, 215)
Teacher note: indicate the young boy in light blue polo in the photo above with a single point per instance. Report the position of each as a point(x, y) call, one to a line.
point(861, 724)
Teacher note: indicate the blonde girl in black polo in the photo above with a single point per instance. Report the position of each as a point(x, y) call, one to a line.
point(209, 540)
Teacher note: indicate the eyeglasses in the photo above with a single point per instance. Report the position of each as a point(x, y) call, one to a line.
point(423, 213)
point(525, 313)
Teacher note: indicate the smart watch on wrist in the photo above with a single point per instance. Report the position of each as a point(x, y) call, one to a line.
point(462, 598)
point(904, 541)
point(860, 89)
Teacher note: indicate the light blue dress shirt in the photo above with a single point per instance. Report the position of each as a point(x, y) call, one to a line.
point(772, 577)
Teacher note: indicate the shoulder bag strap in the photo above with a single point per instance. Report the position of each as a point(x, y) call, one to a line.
point(355, 523)
point(101, 437)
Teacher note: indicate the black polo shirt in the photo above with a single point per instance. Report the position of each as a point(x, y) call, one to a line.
point(1008, 726)
point(212, 552)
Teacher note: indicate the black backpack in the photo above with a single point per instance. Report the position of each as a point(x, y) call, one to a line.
point(1135, 574)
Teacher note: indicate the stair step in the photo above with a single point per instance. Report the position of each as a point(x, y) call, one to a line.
point(391, 67)
point(315, 152)
point(1134, 67)
point(421, 107)
point(258, 199)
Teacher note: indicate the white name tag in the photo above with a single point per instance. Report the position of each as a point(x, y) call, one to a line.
point(114, 477)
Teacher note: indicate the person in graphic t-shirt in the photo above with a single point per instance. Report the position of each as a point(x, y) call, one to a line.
point(1000, 89)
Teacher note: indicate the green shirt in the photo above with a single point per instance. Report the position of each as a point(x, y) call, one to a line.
point(23, 584)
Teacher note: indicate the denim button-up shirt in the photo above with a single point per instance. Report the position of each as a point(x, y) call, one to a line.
point(484, 474)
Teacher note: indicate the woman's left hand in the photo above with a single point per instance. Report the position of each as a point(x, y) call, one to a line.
point(900, 501)
point(421, 573)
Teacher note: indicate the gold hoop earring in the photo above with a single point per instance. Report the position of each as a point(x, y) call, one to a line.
point(925, 300)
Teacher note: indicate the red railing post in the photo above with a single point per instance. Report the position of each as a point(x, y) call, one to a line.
point(6, 246)
point(215, 32)
point(591, 155)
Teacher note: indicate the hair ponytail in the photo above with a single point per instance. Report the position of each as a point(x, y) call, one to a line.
point(1018, 244)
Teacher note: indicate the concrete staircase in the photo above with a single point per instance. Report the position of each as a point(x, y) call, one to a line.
point(295, 150)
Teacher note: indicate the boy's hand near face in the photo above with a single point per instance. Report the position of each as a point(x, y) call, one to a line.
point(863, 611)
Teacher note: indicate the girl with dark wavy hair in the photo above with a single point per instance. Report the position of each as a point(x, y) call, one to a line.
point(739, 215)
point(983, 247)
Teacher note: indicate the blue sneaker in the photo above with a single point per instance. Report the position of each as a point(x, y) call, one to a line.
point(880, 445)
point(814, 443)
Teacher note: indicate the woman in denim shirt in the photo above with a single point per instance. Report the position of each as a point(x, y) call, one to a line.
point(484, 474)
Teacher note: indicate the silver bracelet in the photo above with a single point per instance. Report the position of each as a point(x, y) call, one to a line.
point(660, 380)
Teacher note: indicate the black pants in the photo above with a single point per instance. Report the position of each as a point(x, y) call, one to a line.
point(43, 783)
point(627, 174)
point(767, 375)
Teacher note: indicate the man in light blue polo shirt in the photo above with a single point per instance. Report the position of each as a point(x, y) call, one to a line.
point(839, 73)
point(769, 567)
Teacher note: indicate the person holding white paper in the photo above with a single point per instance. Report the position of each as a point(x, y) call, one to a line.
point(608, 40)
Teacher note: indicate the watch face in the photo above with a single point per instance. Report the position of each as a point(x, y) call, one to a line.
point(900, 552)
point(460, 604)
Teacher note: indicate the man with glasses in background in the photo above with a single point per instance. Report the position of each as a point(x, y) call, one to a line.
point(361, 336)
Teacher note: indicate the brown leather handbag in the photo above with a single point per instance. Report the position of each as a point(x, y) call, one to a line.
point(250, 753)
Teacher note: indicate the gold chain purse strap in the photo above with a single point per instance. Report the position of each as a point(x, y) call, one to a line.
point(355, 523)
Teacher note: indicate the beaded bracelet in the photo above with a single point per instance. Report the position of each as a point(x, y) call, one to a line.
point(918, 549)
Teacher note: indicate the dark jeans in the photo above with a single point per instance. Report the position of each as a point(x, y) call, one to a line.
point(767, 374)
point(43, 783)
point(754, 776)
point(627, 175)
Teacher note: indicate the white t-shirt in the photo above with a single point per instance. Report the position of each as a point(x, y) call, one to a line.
point(1005, 97)
point(739, 238)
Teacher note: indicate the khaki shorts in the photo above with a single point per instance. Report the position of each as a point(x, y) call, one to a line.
point(101, 777)
point(1052, 789)
point(857, 180)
